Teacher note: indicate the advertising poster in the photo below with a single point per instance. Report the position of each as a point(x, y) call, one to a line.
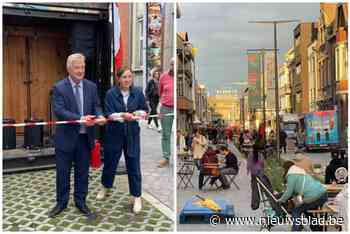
point(321, 128)
point(254, 80)
point(154, 36)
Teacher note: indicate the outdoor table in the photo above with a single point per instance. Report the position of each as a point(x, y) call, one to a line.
point(326, 210)
point(334, 188)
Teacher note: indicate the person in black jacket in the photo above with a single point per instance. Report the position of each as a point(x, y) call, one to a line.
point(336, 171)
point(283, 141)
point(152, 95)
point(230, 167)
point(231, 162)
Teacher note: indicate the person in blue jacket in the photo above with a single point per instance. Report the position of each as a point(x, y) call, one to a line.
point(74, 98)
point(122, 103)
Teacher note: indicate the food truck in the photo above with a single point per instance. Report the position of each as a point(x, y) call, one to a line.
point(321, 130)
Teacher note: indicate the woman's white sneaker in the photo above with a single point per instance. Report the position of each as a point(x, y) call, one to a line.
point(137, 205)
point(101, 194)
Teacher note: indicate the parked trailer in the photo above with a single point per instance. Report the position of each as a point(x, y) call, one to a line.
point(37, 38)
point(321, 130)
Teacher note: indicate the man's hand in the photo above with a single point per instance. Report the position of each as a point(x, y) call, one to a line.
point(127, 116)
point(101, 120)
point(90, 120)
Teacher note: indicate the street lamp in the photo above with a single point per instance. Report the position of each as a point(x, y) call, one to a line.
point(275, 22)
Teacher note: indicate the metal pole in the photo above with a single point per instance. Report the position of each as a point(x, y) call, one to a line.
point(264, 97)
point(275, 22)
point(276, 94)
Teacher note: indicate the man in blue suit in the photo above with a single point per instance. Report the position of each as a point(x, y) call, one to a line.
point(74, 98)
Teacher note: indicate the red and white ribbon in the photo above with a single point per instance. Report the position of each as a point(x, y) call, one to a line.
point(160, 116)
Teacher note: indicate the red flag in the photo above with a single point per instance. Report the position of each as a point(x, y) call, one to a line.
point(118, 48)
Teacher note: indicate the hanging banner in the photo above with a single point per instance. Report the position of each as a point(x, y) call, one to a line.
point(154, 36)
point(254, 80)
point(270, 79)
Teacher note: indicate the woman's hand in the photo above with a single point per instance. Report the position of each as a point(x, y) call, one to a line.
point(101, 120)
point(89, 120)
point(127, 116)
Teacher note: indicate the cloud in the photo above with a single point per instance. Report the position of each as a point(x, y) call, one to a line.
point(222, 34)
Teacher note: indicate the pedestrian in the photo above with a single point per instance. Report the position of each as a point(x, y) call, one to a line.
point(255, 167)
point(122, 135)
point(283, 141)
point(307, 192)
point(271, 140)
point(241, 140)
point(74, 98)
point(188, 140)
point(199, 146)
point(301, 138)
point(152, 94)
point(180, 143)
point(166, 93)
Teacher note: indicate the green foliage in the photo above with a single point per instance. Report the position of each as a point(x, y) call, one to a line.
point(274, 170)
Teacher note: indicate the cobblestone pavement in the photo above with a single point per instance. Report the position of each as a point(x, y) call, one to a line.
point(240, 199)
point(157, 181)
point(28, 197)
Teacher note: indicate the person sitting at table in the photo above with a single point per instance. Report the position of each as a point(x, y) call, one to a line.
point(307, 191)
point(337, 170)
point(231, 162)
point(210, 156)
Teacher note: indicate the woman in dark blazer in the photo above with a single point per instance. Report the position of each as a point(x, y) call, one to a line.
point(122, 103)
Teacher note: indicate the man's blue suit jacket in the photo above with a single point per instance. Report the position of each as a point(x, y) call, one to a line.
point(65, 108)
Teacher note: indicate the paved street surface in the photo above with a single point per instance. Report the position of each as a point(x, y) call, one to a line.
point(28, 197)
point(157, 181)
point(240, 199)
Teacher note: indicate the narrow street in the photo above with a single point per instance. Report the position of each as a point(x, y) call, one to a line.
point(240, 199)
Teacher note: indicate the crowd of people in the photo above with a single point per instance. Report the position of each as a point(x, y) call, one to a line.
point(206, 145)
point(302, 183)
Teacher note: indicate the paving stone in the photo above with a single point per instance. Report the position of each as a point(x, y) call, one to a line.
point(28, 211)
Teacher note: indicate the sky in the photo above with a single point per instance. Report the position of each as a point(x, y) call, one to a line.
point(222, 35)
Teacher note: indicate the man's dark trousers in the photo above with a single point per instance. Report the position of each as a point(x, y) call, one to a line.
point(80, 158)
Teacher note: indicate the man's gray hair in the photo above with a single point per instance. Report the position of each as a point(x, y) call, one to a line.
point(74, 57)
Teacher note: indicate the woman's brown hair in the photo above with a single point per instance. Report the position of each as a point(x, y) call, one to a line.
point(286, 166)
point(120, 72)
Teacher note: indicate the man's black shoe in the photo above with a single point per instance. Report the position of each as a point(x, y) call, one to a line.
point(56, 211)
point(87, 212)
